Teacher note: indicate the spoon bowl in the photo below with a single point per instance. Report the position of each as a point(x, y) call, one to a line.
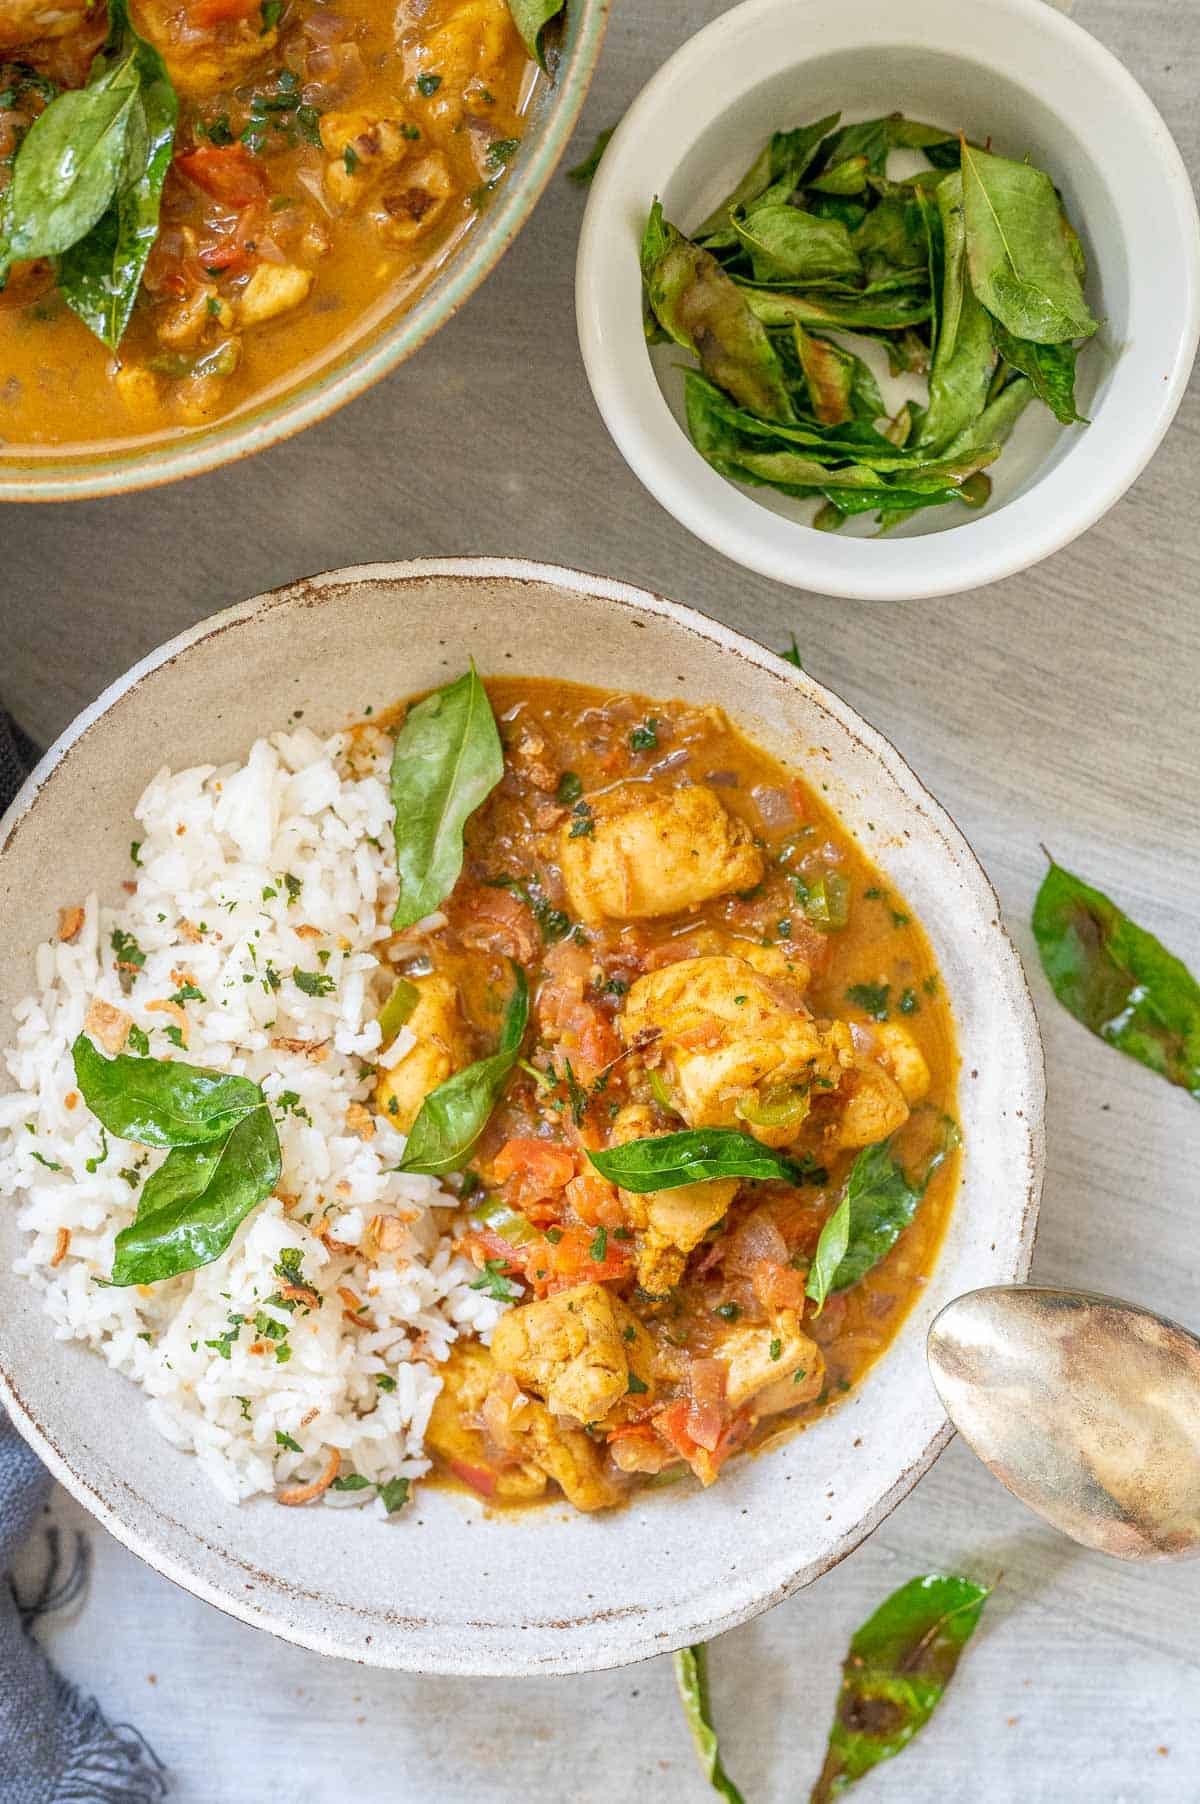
point(1086, 1408)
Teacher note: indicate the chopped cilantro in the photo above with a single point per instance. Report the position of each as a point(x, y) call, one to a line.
point(871, 998)
point(135, 851)
point(174, 1034)
point(775, 1350)
point(272, 11)
point(289, 1265)
point(187, 992)
point(268, 1327)
point(583, 826)
point(293, 885)
point(128, 952)
point(500, 151)
point(570, 788)
point(223, 1345)
point(350, 159)
point(245, 1403)
point(428, 84)
point(395, 1494)
point(729, 1312)
point(313, 983)
point(285, 1440)
point(385, 1381)
point(645, 737)
point(50, 1164)
point(493, 1281)
point(353, 1481)
point(909, 1003)
point(139, 1039)
point(598, 1250)
point(635, 1387)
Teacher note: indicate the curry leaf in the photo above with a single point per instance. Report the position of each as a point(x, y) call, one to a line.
point(192, 1206)
point(691, 1677)
point(894, 1676)
point(829, 373)
point(161, 1102)
point(787, 244)
point(531, 18)
point(785, 158)
point(669, 1161)
point(453, 1116)
point(703, 310)
point(966, 354)
point(878, 1204)
point(447, 760)
point(1050, 368)
point(1118, 979)
point(66, 170)
point(1022, 266)
point(583, 172)
point(880, 312)
point(99, 276)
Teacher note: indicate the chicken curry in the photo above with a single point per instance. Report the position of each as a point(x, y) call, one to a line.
point(718, 1151)
point(299, 167)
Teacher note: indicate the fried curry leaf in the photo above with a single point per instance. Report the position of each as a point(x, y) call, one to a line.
point(583, 172)
point(966, 354)
point(879, 312)
point(453, 1116)
point(893, 1678)
point(161, 1102)
point(785, 158)
point(785, 244)
point(829, 373)
point(1050, 368)
point(1022, 265)
point(703, 310)
point(1118, 979)
point(447, 760)
point(691, 1677)
point(192, 1206)
point(879, 1202)
point(669, 1161)
point(531, 18)
point(67, 168)
point(99, 276)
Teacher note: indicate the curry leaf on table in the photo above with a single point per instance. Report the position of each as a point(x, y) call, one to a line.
point(895, 1674)
point(161, 1102)
point(446, 762)
point(1022, 266)
point(879, 1202)
point(453, 1116)
point(1118, 979)
point(691, 1678)
point(531, 18)
point(99, 275)
point(192, 1206)
point(704, 311)
point(583, 172)
point(669, 1161)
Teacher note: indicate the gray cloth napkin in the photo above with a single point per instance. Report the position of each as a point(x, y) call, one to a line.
point(55, 1745)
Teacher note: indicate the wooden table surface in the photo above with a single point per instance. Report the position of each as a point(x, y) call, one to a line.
point(1057, 707)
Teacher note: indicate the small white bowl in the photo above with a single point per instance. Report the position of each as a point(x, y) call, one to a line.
point(1013, 69)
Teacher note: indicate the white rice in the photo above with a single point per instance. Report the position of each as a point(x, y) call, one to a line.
point(216, 848)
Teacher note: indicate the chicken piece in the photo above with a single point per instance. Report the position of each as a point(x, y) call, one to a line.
point(274, 288)
point(467, 1376)
point(874, 1107)
point(201, 60)
point(903, 1060)
point(576, 1350)
point(568, 1456)
point(658, 858)
point(414, 199)
point(668, 1223)
point(738, 1047)
point(793, 1376)
point(468, 47)
point(182, 325)
point(26, 21)
point(442, 1048)
point(361, 147)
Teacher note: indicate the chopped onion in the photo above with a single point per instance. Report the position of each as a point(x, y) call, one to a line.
point(864, 1039)
point(313, 182)
point(672, 761)
point(756, 1238)
point(722, 779)
point(328, 28)
point(775, 807)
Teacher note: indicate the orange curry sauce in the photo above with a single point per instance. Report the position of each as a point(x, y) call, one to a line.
point(540, 1215)
point(329, 156)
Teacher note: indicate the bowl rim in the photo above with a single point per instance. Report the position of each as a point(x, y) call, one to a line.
point(342, 379)
point(986, 549)
point(746, 1599)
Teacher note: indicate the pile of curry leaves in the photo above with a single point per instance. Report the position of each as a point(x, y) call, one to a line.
point(967, 272)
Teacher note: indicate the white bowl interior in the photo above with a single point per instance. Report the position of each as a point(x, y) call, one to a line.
point(1031, 81)
point(445, 1589)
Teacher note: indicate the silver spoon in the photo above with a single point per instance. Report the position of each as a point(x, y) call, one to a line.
point(1086, 1408)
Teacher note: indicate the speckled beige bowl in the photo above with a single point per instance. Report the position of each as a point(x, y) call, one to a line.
point(445, 1588)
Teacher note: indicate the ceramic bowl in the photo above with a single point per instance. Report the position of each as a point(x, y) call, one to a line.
point(1014, 70)
point(380, 342)
point(449, 1589)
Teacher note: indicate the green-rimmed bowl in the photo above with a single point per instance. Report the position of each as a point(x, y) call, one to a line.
point(370, 354)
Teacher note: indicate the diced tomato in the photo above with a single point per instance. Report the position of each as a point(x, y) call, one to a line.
point(778, 1286)
point(478, 1477)
point(482, 1243)
point(672, 1425)
point(594, 1200)
point(227, 172)
point(538, 1166)
point(545, 1212)
point(599, 1044)
point(496, 920)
